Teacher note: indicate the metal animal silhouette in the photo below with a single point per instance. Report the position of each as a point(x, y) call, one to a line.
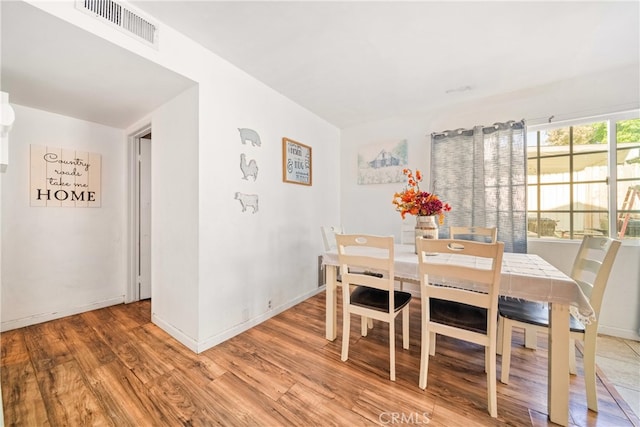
point(249, 135)
point(248, 201)
point(248, 169)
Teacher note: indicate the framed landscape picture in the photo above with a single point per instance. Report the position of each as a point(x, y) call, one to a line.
point(382, 163)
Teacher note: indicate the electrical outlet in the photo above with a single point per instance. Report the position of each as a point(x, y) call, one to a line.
point(269, 304)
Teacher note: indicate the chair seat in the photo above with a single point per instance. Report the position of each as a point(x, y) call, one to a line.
point(378, 299)
point(459, 315)
point(533, 313)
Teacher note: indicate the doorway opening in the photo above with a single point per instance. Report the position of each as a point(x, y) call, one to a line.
point(140, 216)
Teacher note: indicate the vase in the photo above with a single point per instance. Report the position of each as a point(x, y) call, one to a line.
point(426, 228)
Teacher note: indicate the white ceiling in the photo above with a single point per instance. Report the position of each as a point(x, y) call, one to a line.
point(53, 66)
point(348, 62)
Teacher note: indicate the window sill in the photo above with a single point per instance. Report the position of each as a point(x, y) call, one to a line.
point(625, 242)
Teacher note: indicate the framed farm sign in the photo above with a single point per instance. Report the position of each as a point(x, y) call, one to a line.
point(63, 177)
point(296, 162)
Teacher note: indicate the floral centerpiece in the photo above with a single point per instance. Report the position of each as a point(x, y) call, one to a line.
point(414, 201)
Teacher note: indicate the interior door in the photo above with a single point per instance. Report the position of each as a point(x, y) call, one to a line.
point(144, 217)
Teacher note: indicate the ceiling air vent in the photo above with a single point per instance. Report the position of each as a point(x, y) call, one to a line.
point(123, 17)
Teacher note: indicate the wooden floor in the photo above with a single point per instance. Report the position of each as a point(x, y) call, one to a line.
point(113, 367)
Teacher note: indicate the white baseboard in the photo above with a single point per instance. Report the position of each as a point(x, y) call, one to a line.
point(619, 333)
point(217, 339)
point(175, 333)
point(70, 311)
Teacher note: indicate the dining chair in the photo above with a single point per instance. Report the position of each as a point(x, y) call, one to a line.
point(329, 239)
point(470, 285)
point(591, 270)
point(481, 234)
point(407, 237)
point(488, 235)
point(373, 296)
point(329, 235)
point(408, 232)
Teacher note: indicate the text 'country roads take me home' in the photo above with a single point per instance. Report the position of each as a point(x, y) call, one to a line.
point(62, 177)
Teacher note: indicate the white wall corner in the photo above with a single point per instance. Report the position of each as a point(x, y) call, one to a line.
point(7, 117)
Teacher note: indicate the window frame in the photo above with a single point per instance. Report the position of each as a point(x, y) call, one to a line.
point(611, 180)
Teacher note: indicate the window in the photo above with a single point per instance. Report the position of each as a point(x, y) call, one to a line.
point(579, 172)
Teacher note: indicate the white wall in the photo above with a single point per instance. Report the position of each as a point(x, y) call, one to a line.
point(2, 172)
point(174, 216)
point(255, 265)
point(59, 260)
point(615, 90)
point(244, 262)
point(1, 176)
point(4, 153)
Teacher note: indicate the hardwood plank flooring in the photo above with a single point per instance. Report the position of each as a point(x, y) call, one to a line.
point(113, 367)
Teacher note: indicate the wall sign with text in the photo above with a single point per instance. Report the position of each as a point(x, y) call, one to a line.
point(63, 177)
point(296, 162)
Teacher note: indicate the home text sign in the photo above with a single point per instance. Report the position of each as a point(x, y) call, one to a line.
point(296, 162)
point(63, 177)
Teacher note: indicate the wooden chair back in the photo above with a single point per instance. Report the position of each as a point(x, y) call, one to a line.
point(438, 277)
point(329, 235)
point(481, 234)
point(361, 255)
point(592, 267)
point(408, 232)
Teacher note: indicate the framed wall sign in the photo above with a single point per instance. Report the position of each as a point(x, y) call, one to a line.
point(65, 177)
point(296, 162)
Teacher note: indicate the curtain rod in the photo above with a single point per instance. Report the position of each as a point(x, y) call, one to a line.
point(496, 125)
point(582, 115)
point(554, 118)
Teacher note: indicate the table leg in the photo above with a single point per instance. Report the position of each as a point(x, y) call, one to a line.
point(558, 381)
point(331, 302)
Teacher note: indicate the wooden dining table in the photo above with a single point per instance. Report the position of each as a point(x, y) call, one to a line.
point(524, 276)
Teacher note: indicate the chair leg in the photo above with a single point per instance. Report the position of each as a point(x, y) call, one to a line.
point(364, 322)
point(432, 343)
point(506, 350)
point(405, 328)
point(589, 360)
point(346, 322)
point(499, 336)
point(486, 360)
point(490, 365)
point(346, 325)
point(424, 346)
point(572, 357)
point(392, 349)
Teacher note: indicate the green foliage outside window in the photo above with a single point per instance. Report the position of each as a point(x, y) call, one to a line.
point(595, 133)
point(628, 131)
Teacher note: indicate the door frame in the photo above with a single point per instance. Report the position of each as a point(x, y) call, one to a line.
point(133, 147)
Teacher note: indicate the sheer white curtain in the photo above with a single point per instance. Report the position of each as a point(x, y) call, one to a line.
point(481, 173)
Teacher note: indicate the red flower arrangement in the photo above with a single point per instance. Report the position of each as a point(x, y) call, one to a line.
point(413, 201)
